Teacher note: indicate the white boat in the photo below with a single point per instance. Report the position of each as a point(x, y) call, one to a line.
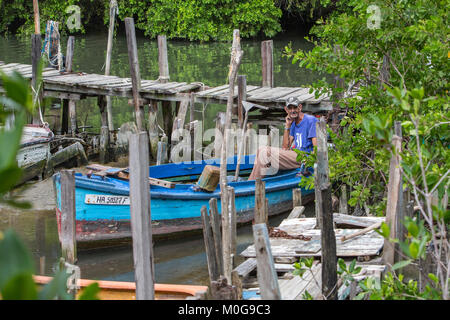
point(34, 150)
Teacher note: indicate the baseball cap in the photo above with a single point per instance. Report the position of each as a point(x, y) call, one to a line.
point(292, 100)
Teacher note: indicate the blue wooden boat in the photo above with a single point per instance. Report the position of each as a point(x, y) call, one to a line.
point(103, 210)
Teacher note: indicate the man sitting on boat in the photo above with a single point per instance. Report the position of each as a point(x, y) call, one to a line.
point(299, 133)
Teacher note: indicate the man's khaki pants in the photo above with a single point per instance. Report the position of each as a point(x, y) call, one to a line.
point(270, 159)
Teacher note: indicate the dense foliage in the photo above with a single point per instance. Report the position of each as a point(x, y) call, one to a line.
point(396, 53)
point(193, 20)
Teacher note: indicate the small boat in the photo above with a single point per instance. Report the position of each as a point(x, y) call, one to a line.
point(34, 150)
point(103, 203)
point(121, 290)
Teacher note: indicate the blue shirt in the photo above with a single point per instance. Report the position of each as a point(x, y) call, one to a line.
point(303, 133)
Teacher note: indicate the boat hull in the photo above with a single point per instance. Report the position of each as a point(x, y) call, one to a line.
point(103, 210)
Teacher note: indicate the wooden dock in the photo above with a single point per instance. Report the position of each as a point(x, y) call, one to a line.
point(79, 85)
point(365, 249)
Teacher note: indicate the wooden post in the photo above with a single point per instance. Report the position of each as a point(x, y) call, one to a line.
point(260, 202)
point(68, 218)
point(267, 275)
point(37, 20)
point(328, 238)
point(233, 222)
point(242, 96)
point(104, 133)
point(226, 236)
point(134, 70)
point(296, 197)
point(343, 206)
point(163, 61)
point(267, 63)
point(395, 195)
point(69, 69)
point(141, 217)
point(153, 128)
point(209, 246)
point(35, 60)
point(219, 136)
point(167, 120)
point(112, 20)
point(161, 157)
point(215, 224)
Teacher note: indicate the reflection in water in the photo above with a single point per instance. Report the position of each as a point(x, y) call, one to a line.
point(181, 261)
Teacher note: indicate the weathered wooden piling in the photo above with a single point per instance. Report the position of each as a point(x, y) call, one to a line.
point(208, 238)
point(141, 217)
point(267, 275)
point(153, 128)
point(296, 197)
point(260, 202)
point(217, 236)
point(267, 63)
point(112, 19)
point(68, 235)
point(35, 61)
point(71, 103)
point(163, 61)
point(104, 131)
point(233, 224)
point(134, 70)
point(394, 203)
point(343, 204)
point(242, 96)
point(325, 212)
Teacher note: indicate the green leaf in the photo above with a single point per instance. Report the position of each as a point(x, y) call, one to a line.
point(56, 288)
point(401, 264)
point(20, 287)
point(15, 258)
point(90, 292)
point(414, 250)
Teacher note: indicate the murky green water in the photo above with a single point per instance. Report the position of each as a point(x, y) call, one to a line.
point(177, 261)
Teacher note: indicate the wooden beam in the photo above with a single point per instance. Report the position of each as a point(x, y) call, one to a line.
point(209, 246)
point(68, 219)
point(217, 236)
point(163, 61)
point(267, 275)
point(141, 217)
point(328, 238)
point(267, 63)
point(134, 70)
point(112, 20)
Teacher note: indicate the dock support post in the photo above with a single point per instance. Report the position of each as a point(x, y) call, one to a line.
point(296, 197)
point(242, 96)
point(112, 20)
point(153, 128)
point(395, 196)
point(260, 202)
point(267, 275)
point(233, 231)
point(343, 206)
point(68, 236)
point(325, 212)
point(209, 246)
point(141, 217)
point(71, 103)
point(134, 70)
point(267, 63)
point(163, 61)
point(215, 224)
point(104, 132)
point(36, 58)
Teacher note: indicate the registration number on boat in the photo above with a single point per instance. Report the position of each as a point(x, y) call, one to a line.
point(102, 199)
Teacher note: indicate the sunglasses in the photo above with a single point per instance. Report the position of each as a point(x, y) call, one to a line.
point(291, 106)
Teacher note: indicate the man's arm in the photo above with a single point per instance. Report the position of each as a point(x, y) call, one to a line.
point(287, 140)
